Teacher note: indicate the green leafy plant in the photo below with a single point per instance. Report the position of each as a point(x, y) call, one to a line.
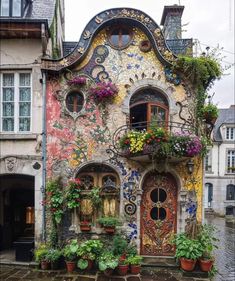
point(95, 196)
point(41, 253)
point(109, 221)
point(134, 260)
point(119, 245)
point(208, 240)
point(202, 72)
point(73, 193)
point(210, 111)
point(70, 250)
point(88, 250)
point(54, 255)
point(54, 199)
point(187, 248)
point(107, 260)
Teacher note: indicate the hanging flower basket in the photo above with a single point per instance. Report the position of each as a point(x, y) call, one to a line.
point(104, 91)
point(78, 80)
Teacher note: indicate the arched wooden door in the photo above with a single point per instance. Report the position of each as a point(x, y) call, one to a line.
point(158, 214)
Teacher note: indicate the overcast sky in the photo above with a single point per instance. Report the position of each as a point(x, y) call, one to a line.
point(209, 21)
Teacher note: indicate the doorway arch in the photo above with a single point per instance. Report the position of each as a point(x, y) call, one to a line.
point(17, 208)
point(158, 214)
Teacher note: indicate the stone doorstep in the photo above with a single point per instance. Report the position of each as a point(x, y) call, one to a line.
point(18, 263)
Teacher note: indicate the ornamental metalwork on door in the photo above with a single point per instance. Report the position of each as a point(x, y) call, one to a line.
point(158, 214)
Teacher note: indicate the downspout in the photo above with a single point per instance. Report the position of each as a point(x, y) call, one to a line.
point(43, 189)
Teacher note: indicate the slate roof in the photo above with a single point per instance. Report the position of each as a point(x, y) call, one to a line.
point(40, 9)
point(226, 116)
point(68, 47)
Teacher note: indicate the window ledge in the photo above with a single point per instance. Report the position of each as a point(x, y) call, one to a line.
point(209, 172)
point(18, 136)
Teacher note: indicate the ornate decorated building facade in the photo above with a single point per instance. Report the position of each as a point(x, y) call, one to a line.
point(121, 121)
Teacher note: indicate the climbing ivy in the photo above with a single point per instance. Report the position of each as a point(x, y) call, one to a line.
point(201, 72)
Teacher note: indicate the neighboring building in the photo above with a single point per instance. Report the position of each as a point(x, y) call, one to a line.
point(29, 30)
point(126, 47)
point(219, 192)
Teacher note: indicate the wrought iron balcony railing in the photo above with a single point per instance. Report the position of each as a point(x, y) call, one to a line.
point(151, 137)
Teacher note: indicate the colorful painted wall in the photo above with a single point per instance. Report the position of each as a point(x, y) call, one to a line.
point(77, 139)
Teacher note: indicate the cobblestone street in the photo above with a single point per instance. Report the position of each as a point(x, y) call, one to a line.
point(225, 254)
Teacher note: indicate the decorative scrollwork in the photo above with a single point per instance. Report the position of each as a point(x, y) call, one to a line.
point(130, 208)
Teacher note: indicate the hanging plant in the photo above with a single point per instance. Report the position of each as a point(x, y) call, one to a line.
point(95, 196)
point(54, 199)
point(73, 193)
point(104, 91)
point(201, 72)
point(77, 80)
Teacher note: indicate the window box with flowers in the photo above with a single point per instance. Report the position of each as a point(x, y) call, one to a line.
point(159, 142)
point(85, 226)
point(73, 194)
point(77, 81)
point(104, 92)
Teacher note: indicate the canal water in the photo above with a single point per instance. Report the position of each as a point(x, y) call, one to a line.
point(225, 254)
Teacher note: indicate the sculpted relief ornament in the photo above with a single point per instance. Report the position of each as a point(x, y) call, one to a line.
point(10, 163)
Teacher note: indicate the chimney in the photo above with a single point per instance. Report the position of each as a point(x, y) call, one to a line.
point(171, 21)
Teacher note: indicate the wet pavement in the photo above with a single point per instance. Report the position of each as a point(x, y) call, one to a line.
point(16, 273)
point(225, 262)
point(225, 254)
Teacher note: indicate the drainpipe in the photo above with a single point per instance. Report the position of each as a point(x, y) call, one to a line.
point(43, 188)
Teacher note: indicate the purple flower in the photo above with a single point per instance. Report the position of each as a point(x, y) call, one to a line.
point(77, 81)
point(104, 90)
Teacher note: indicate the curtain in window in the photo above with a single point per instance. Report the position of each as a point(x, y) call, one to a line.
point(24, 102)
point(8, 102)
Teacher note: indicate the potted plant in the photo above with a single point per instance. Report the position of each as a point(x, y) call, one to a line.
point(120, 246)
point(135, 263)
point(109, 223)
point(210, 113)
point(53, 257)
point(87, 252)
point(69, 253)
point(85, 225)
point(107, 263)
point(41, 256)
point(187, 251)
point(123, 266)
point(208, 241)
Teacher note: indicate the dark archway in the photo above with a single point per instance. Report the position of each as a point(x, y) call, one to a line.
point(17, 208)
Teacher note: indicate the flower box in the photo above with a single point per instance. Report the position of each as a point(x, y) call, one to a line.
point(104, 91)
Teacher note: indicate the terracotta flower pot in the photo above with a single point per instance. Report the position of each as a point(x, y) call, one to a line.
point(108, 272)
point(109, 229)
point(90, 264)
point(135, 269)
point(45, 265)
point(85, 227)
point(187, 264)
point(70, 265)
point(122, 269)
point(206, 265)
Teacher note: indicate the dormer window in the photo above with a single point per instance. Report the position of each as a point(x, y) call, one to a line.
point(230, 133)
point(11, 8)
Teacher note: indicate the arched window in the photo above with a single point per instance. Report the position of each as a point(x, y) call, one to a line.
point(148, 107)
point(102, 181)
point(230, 194)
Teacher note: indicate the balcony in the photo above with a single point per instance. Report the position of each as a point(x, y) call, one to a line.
point(144, 141)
